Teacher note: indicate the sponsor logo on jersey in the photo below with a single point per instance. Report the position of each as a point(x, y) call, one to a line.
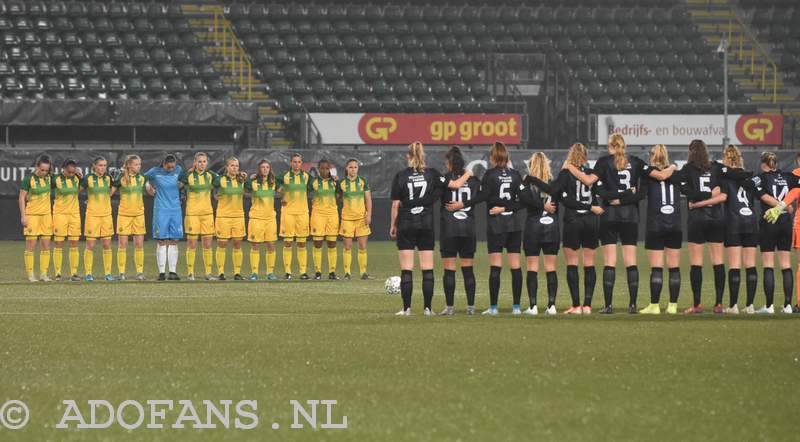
point(667, 210)
point(745, 211)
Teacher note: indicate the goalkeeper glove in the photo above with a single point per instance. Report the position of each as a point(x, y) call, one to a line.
point(774, 213)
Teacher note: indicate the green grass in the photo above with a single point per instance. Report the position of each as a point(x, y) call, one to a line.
point(621, 377)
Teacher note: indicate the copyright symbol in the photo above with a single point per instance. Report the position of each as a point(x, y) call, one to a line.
point(14, 415)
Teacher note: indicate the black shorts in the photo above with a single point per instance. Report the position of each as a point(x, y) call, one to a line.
point(741, 239)
point(612, 231)
point(775, 236)
point(457, 246)
point(663, 240)
point(581, 232)
point(410, 238)
point(510, 241)
point(701, 232)
point(535, 248)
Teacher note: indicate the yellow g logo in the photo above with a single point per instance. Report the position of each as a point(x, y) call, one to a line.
point(756, 129)
point(379, 128)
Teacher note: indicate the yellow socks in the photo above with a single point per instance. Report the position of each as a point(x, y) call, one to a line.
point(107, 261)
point(302, 258)
point(190, 256)
point(255, 258)
point(238, 256)
point(122, 259)
point(347, 260)
point(138, 259)
point(287, 259)
point(29, 263)
point(331, 260)
point(271, 256)
point(88, 260)
point(362, 261)
point(57, 259)
point(316, 254)
point(74, 260)
point(208, 260)
point(222, 255)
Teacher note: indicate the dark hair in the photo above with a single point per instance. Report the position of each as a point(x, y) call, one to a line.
point(169, 158)
point(296, 155)
point(498, 154)
point(68, 162)
point(323, 161)
point(698, 155)
point(456, 160)
point(42, 159)
point(270, 177)
point(351, 160)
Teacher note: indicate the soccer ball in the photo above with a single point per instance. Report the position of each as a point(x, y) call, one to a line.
point(392, 285)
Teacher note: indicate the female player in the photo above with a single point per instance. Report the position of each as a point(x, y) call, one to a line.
point(36, 217)
point(67, 217)
point(700, 182)
point(262, 227)
point(458, 233)
point(164, 182)
point(580, 225)
point(413, 195)
point(773, 215)
point(293, 185)
point(324, 218)
point(130, 215)
point(664, 234)
point(199, 221)
point(499, 188)
point(356, 217)
point(775, 236)
point(229, 223)
point(99, 223)
point(618, 177)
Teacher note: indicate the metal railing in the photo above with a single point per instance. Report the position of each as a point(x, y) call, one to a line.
point(736, 41)
point(233, 54)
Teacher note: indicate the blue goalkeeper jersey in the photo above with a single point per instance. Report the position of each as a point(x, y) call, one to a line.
point(168, 197)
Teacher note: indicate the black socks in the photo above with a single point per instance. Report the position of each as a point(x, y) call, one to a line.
point(788, 285)
point(516, 285)
point(674, 284)
point(532, 281)
point(449, 284)
point(427, 287)
point(572, 282)
point(696, 277)
point(494, 285)
point(406, 287)
point(609, 277)
point(589, 281)
point(734, 280)
point(552, 288)
point(769, 285)
point(751, 281)
point(469, 284)
point(656, 282)
point(633, 284)
point(719, 282)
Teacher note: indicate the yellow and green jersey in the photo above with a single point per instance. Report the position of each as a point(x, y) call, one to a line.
point(66, 190)
point(352, 191)
point(98, 194)
point(230, 197)
point(38, 189)
point(130, 195)
point(262, 197)
point(324, 200)
point(198, 187)
point(294, 187)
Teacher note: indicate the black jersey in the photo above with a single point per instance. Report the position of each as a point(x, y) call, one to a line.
point(663, 208)
point(616, 184)
point(573, 189)
point(697, 185)
point(740, 215)
point(775, 184)
point(501, 187)
point(417, 192)
point(460, 223)
point(541, 226)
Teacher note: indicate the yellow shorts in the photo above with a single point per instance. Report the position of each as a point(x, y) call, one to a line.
point(67, 225)
point(131, 225)
point(354, 228)
point(198, 225)
point(294, 226)
point(325, 226)
point(262, 230)
point(98, 227)
point(229, 228)
point(38, 225)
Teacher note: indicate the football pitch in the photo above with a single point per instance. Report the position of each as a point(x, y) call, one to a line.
point(618, 377)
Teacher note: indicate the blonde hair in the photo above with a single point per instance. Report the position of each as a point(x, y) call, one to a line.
point(616, 145)
point(732, 157)
point(126, 171)
point(416, 156)
point(240, 177)
point(770, 160)
point(197, 156)
point(577, 155)
point(539, 166)
point(498, 154)
point(659, 157)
